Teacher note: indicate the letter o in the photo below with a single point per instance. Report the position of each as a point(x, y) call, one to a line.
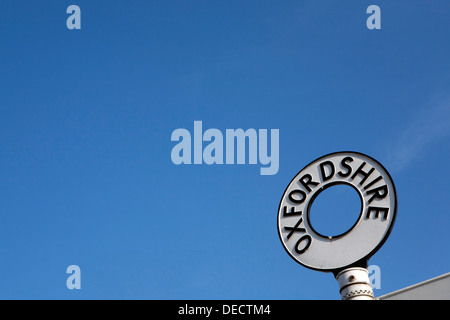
point(297, 201)
point(308, 239)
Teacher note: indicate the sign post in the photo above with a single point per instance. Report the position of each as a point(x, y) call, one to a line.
point(345, 255)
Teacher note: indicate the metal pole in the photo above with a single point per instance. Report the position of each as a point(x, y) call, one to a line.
point(354, 284)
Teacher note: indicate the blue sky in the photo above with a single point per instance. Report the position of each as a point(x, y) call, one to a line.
point(86, 118)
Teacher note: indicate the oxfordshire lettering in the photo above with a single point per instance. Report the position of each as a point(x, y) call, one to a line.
point(295, 228)
point(306, 181)
point(292, 212)
point(376, 190)
point(305, 240)
point(376, 212)
point(362, 173)
point(378, 193)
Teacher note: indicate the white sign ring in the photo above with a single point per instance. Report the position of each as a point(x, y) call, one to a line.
point(377, 216)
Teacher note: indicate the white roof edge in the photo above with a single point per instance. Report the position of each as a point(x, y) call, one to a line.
point(414, 286)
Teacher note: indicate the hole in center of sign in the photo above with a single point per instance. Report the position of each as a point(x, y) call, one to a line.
point(335, 210)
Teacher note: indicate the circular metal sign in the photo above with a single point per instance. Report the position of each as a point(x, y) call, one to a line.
point(374, 224)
